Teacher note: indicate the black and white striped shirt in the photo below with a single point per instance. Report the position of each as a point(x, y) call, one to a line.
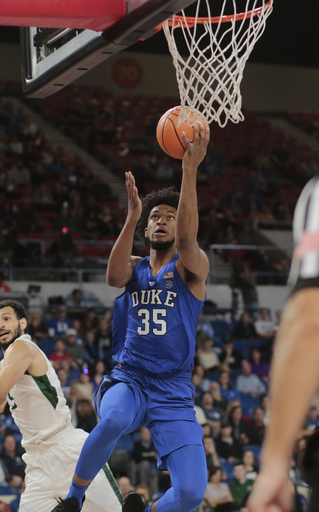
point(304, 271)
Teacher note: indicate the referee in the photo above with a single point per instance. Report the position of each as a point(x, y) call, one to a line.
point(295, 367)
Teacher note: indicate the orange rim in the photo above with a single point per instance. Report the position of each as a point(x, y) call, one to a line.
point(189, 21)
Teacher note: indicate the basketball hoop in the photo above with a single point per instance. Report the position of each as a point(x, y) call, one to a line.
point(209, 77)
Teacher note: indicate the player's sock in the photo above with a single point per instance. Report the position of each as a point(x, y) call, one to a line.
point(77, 491)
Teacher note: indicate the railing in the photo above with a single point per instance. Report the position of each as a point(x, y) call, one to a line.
point(49, 274)
point(280, 225)
point(44, 243)
point(81, 269)
point(232, 255)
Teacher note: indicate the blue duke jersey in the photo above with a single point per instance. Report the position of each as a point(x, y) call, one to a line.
point(158, 317)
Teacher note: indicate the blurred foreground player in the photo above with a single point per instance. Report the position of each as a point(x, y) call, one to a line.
point(295, 368)
point(159, 311)
point(32, 388)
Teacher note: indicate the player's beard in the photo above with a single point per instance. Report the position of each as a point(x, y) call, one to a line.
point(17, 333)
point(161, 246)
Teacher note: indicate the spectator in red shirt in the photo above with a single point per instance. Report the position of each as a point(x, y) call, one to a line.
point(60, 355)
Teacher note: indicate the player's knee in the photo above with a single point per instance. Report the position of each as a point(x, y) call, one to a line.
point(113, 425)
point(191, 497)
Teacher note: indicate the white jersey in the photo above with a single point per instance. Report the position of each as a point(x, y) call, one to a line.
point(37, 404)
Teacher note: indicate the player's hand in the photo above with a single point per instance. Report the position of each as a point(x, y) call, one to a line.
point(196, 151)
point(272, 492)
point(134, 202)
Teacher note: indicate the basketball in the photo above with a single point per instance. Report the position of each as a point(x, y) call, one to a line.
point(169, 135)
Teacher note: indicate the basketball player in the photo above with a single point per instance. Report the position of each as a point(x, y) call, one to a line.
point(295, 369)
point(159, 312)
point(31, 386)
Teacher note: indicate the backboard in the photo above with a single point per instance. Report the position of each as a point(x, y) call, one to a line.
point(54, 56)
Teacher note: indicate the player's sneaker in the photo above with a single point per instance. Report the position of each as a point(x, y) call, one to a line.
point(68, 505)
point(133, 503)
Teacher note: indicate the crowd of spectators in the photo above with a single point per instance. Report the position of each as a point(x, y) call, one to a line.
point(251, 173)
point(47, 194)
point(231, 377)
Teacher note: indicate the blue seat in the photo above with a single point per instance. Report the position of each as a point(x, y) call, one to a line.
point(121, 455)
point(255, 448)
point(221, 329)
point(242, 346)
point(4, 490)
point(47, 345)
point(233, 377)
point(219, 344)
point(257, 343)
point(248, 403)
point(228, 468)
point(125, 442)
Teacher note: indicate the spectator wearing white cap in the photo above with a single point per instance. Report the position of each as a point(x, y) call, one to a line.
point(73, 347)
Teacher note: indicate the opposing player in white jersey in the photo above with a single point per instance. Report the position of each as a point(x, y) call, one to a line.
point(30, 385)
point(295, 368)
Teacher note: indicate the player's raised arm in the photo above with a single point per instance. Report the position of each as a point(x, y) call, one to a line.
point(193, 258)
point(121, 263)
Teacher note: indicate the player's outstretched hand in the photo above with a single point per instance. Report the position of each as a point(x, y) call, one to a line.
point(272, 492)
point(134, 202)
point(196, 150)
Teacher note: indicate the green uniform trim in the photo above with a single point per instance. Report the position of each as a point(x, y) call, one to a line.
point(14, 406)
point(47, 389)
point(109, 475)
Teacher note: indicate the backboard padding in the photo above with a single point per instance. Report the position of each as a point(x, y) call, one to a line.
point(44, 71)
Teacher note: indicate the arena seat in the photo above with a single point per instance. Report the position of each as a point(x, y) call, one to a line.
point(255, 448)
point(5, 490)
point(47, 345)
point(248, 403)
point(228, 468)
point(121, 455)
point(241, 345)
point(221, 329)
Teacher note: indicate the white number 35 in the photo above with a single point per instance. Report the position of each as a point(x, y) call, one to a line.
point(156, 314)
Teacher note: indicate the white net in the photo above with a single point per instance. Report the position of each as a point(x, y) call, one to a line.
point(209, 76)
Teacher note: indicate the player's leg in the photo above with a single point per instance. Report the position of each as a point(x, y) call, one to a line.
point(103, 495)
point(118, 410)
point(188, 471)
point(37, 505)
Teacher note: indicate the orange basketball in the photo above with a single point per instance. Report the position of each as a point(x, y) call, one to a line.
point(169, 135)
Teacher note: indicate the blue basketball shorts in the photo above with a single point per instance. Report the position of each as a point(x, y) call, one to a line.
point(164, 406)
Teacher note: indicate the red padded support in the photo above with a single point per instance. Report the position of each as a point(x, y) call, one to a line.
point(90, 14)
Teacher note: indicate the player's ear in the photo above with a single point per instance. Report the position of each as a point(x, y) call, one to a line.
point(145, 233)
point(23, 323)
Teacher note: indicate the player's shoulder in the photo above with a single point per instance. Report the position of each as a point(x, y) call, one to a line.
point(135, 259)
point(20, 347)
point(202, 270)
